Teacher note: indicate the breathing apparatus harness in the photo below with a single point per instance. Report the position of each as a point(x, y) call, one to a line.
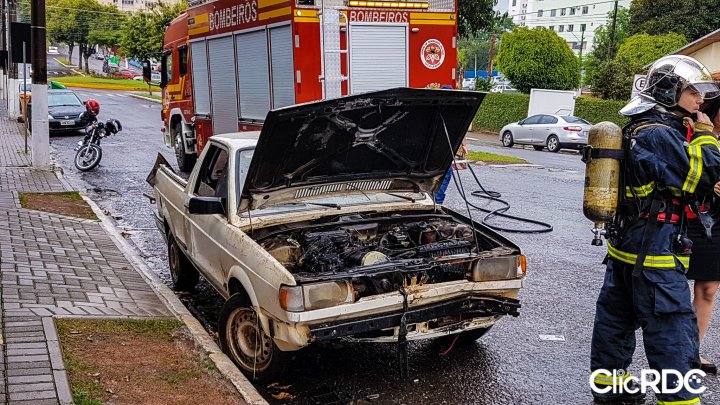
point(660, 206)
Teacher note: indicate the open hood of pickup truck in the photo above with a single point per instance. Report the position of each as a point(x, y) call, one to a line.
point(397, 140)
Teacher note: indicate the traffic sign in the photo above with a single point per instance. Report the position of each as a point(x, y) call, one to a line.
point(638, 84)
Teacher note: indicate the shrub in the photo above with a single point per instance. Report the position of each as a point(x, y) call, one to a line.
point(482, 84)
point(500, 109)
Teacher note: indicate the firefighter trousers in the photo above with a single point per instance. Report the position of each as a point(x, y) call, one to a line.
point(658, 301)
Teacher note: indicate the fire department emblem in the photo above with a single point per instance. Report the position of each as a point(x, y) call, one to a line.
point(432, 54)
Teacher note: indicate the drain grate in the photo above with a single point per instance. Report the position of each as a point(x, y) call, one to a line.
point(329, 396)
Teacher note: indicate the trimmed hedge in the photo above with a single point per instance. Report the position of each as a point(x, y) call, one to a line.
point(500, 109)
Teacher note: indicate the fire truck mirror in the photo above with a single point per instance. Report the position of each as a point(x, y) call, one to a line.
point(146, 71)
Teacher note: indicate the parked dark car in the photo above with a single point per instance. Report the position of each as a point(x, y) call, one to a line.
point(65, 112)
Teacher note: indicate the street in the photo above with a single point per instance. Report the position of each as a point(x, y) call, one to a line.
point(540, 357)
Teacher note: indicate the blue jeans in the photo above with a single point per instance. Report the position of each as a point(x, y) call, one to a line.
point(440, 195)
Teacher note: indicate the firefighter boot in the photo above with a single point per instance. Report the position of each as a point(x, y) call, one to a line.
point(621, 398)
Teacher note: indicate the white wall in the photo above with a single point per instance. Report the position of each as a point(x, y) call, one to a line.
point(594, 17)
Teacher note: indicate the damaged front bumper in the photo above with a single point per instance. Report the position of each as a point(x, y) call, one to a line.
point(438, 319)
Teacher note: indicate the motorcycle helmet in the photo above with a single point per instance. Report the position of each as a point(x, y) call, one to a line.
point(667, 78)
point(113, 126)
point(92, 106)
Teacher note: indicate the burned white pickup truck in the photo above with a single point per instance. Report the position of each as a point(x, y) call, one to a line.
point(323, 226)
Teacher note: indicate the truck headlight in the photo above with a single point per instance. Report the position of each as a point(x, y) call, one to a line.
point(307, 297)
point(50, 117)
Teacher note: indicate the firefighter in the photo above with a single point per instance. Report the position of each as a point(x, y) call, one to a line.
point(670, 155)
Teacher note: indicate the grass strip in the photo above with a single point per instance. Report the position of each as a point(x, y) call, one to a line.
point(101, 82)
point(488, 157)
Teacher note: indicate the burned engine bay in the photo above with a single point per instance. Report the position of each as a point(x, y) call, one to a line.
point(384, 253)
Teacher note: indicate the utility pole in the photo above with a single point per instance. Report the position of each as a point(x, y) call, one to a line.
point(582, 39)
point(3, 46)
point(13, 100)
point(612, 32)
point(41, 134)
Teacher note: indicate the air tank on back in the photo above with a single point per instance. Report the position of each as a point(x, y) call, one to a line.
point(602, 175)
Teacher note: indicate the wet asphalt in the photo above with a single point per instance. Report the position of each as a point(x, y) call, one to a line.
point(540, 357)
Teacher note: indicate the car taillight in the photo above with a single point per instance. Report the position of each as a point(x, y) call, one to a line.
point(573, 129)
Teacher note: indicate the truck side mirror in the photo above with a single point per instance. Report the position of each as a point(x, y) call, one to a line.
point(147, 71)
point(207, 205)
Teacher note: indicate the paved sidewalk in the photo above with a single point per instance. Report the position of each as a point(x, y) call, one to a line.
point(52, 265)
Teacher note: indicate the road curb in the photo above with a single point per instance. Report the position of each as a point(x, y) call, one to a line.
point(145, 98)
point(173, 303)
point(99, 86)
point(67, 66)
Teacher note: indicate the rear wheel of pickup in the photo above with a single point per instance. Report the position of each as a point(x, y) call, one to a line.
point(463, 338)
point(243, 339)
point(184, 275)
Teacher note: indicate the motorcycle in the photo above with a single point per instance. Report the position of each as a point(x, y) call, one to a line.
point(88, 153)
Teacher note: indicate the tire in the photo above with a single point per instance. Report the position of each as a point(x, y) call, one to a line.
point(538, 147)
point(507, 139)
point(254, 353)
point(184, 275)
point(185, 161)
point(463, 338)
point(553, 143)
point(87, 157)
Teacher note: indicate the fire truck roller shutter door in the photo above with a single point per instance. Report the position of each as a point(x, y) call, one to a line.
point(378, 57)
point(222, 86)
point(283, 74)
point(253, 74)
point(201, 92)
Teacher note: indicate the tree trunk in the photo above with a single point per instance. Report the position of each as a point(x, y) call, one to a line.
point(491, 56)
point(80, 53)
point(87, 63)
point(71, 45)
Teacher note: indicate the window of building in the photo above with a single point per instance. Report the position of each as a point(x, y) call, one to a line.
point(562, 11)
point(128, 2)
point(552, 13)
point(572, 10)
point(582, 27)
point(552, 27)
point(540, 13)
point(514, 3)
point(561, 28)
point(571, 27)
point(585, 9)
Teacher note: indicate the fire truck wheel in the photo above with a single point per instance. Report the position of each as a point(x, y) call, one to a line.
point(185, 160)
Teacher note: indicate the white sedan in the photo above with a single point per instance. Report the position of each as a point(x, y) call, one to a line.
point(547, 130)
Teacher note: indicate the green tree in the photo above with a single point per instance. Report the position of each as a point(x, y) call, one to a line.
point(537, 58)
point(601, 42)
point(613, 79)
point(475, 16)
point(73, 22)
point(694, 19)
point(143, 33)
point(642, 49)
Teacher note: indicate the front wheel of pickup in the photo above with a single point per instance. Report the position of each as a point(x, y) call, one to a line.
point(243, 339)
point(463, 338)
point(184, 275)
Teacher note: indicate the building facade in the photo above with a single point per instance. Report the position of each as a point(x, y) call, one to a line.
point(575, 21)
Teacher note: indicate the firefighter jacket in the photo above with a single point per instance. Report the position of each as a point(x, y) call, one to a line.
point(661, 163)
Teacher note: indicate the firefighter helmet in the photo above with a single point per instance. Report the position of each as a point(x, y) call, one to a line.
point(667, 78)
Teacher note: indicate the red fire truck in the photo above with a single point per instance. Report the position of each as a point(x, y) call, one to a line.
point(226, 63)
